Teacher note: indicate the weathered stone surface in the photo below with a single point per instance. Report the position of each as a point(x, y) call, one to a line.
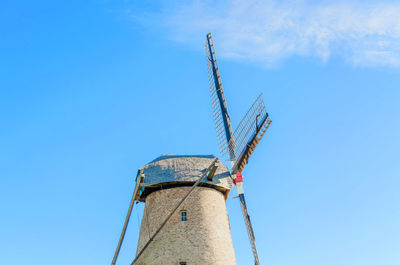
point(205, 237)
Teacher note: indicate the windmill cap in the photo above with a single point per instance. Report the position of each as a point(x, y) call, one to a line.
point(177, 170)
point(168, 156)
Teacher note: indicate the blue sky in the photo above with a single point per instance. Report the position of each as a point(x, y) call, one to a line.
point(90, 91)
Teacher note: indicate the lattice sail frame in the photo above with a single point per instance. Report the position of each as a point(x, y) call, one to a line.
point(238, 145)
point(248, 126)
point(241, 144)
point(224, 131)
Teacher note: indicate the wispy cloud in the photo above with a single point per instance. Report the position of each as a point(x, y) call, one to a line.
point(362, 33)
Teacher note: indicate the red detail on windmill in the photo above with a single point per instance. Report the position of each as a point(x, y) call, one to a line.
point(239, 178)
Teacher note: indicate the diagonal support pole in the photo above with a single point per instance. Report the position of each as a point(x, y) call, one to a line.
point(134, 196)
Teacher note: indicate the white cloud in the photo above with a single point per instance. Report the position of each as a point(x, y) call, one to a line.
point(362, 33)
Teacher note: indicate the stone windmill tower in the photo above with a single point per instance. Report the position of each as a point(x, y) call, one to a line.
point(185, 219)
point(198, 232)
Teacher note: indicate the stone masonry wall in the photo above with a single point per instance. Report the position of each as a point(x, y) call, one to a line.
point(204, 239)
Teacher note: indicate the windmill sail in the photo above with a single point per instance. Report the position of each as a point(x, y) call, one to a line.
point(249, 228)
point(220, 110)
point(249, 133)
point(240, 144)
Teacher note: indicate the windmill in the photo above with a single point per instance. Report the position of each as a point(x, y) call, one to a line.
point(239, 145)
point(185, 220)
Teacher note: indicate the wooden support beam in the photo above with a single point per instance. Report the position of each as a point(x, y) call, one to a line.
point(134, 198)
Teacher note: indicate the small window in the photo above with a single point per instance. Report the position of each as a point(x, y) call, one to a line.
point(183, 219)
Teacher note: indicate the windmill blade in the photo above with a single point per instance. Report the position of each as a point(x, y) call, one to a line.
point(220, 110)
point(249, 228)
point(249, 133)
point(238, 181)
point(240, 144)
